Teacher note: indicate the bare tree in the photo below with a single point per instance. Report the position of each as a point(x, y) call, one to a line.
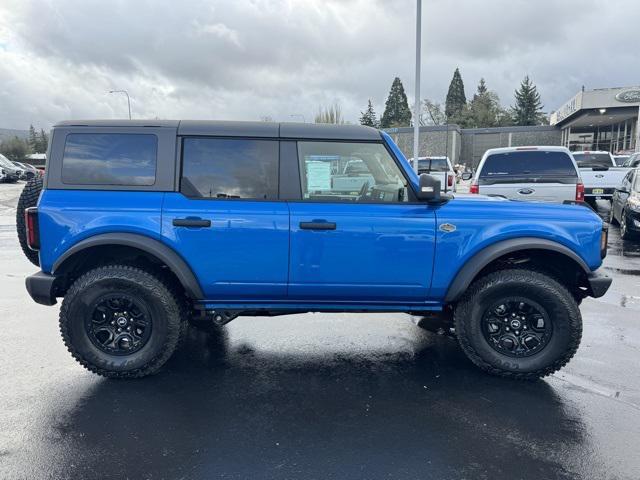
point(331, 114)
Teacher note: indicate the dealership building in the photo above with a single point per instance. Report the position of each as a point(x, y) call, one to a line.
point(600, 119)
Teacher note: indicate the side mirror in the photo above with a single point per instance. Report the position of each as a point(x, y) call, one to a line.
point(429, 190)
point(466, 176)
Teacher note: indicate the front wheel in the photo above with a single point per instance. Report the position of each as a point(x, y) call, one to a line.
point(625, 232)
point(520, 324)
point(120, 321)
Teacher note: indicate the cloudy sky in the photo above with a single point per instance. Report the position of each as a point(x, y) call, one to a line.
point(246, 59)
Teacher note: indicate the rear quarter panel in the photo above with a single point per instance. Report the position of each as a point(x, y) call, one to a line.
point(481, 222)
point(68, 216)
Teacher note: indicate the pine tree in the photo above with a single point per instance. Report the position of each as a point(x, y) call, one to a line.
point(484, 110)
point(456, 99)
point(396, 109)
point(42, 142)
point(32, 139)
point(369, 117)
point(528, 107)
point(482, 89)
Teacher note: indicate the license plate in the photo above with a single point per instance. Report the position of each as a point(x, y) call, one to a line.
point(597, 191)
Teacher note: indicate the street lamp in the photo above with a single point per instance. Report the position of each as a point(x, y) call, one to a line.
point(416, 107)
point(128, 99)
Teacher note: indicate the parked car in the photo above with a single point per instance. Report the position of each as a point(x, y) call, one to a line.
point(29, 170)
point(625, 205)
point(633, 161)
point(599, 174)
point(354, 177)
point(439, 167)
point(620, 159)
point(214, 220)
point(543, 174)
point(12, 173)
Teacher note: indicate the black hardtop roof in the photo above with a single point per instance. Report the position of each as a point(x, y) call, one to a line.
point(221, 128)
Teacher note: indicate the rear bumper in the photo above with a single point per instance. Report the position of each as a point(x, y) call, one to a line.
point(599, 283)
point(41, 287)
point(606, 192)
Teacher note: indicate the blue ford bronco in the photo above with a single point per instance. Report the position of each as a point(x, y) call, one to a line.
point(143, 227)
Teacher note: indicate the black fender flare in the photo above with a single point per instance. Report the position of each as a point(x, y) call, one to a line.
point(481, 259)
point(147, 244)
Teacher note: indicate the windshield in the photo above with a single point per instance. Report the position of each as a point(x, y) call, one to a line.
point(632, 161)
point(432, 165)
point(357, 167)
point(526, 165)
point(5, 162)
point(588, 159)
point(620, 159)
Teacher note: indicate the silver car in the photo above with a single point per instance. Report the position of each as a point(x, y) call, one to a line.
point(544, 174)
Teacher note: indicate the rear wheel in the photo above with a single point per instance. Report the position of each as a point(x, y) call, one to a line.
point(520, 324)
point(122, 322)
point(28, 198)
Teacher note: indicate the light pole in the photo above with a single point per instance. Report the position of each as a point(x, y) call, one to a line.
point(416, 107)
point(299, 115)
point(128, 99)
point(638, 131)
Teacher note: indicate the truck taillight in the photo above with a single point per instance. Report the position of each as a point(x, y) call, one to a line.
point(580, 192)
point(450, 180)
point(32, 228)
point(475, 188)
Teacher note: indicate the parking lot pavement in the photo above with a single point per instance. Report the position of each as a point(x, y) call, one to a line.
point(318, 396)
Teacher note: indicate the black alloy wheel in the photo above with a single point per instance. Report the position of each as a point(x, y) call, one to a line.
point(118, 325)
point(517, 327)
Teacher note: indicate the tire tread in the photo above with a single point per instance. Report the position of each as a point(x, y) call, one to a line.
point(173, 303)
point(531, 276)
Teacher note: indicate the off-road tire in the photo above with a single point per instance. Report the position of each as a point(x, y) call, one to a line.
point(167, 311)
point(537, 286)
point(28, 198)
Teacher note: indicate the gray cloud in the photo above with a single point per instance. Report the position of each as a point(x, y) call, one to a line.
point(248, 58)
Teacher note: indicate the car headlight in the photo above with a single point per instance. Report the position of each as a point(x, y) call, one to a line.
point(634, 204)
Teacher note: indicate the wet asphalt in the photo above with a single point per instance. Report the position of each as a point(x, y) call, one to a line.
point(319, 396)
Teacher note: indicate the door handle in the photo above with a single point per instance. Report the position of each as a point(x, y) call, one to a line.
point(191, 222)
point(317, 225)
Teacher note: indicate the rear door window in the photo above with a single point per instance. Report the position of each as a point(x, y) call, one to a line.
point(110, 159)
point(219, 168)
point(528, 166)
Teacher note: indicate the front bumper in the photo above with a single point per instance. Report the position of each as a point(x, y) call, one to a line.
point(42, 288)
point(599, 283)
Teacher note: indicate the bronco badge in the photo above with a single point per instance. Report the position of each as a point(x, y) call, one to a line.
point(447, 227)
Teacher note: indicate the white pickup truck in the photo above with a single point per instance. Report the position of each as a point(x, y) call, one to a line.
point(599, 174)
point(439, 167)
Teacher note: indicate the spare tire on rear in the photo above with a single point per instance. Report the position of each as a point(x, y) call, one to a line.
point(28, 198)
